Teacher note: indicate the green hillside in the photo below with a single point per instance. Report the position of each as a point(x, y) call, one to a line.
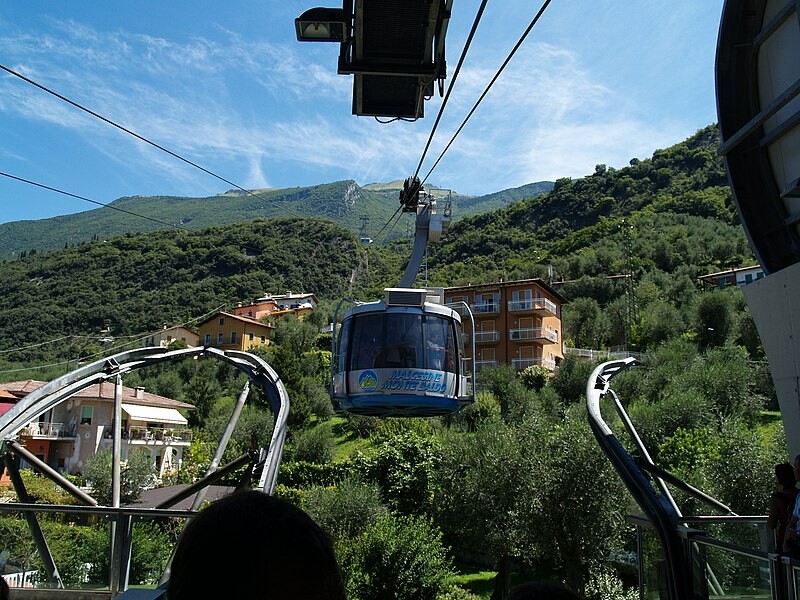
point(664, 221)
point(341, 202)
point(140, 281)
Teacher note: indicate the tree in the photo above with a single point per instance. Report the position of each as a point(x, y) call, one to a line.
point(583, 323)
point(713, 319)
point(396, 558)
point(137, 474)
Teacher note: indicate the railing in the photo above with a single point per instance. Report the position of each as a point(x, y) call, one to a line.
point(156, 434)
point(531, 304)
point(47, 430)
point(487, 337)
point(485, 308)
point(533, 333)
point(539, 361)
point(605, 354)
point(485, 364)
point(729, 556)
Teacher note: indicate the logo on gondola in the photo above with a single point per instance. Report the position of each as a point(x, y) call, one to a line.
point(368, 381)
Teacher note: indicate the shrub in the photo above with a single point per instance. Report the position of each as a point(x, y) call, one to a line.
point(314, 445)
point(404, 466)
point(345, 510)
point(485, 409)
point(397, 558)
point(534, 377)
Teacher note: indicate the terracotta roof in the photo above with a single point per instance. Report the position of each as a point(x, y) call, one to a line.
point(238, 318)
point(104, 391)
point(498, 284)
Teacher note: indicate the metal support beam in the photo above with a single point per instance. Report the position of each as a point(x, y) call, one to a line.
point(33, 523)
point(51, 473)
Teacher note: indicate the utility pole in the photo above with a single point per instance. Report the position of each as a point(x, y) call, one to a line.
point(631, 308)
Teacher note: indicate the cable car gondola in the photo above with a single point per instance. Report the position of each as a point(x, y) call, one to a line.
point(402, 356)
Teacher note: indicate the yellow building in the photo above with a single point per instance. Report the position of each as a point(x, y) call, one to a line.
point(234, 332)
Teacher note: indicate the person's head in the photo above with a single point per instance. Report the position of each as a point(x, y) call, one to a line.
point(5, 593)
point(796, 465)
point(784, 473)
point(252, 545)
point(541, 590)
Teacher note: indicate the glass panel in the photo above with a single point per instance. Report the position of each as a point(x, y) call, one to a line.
point(733, 574)
point(344, 344)
point(367, 341)
point(440, 345)
point(654, 582)
point(403, 346)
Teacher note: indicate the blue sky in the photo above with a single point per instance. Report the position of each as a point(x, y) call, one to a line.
point(226, 85)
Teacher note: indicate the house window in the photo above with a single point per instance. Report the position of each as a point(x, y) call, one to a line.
point(220, 338)
point(250, 337)
point(263, 339)
point(87, 410)
point(222, 320)
point(233, 337)
point(207, 340)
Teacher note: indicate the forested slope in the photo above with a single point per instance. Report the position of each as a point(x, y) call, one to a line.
point(141, 281)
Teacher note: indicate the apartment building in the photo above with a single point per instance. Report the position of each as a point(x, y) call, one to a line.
point(739, 277)
point(234, 332)
point(299, 304)
point(82, 425)
point(516, 323)
point(164, 337)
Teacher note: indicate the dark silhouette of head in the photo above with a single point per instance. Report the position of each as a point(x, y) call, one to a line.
point(5, 593)
point(541, 590)
point(252, 545)
point(784, 472)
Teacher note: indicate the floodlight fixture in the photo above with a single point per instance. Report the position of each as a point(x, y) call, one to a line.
point(322, 25)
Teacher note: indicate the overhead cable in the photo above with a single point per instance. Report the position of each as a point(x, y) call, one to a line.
point(130, 132)
point(103, 204)
point(452, 83)
point(491, 83)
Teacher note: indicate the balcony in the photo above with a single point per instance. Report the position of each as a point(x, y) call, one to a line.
point(485, 364)
point(50, 431)
point(537, 306)
point(538, 361)
point(487, 337)
point(485, 308)
point(533, 334)
point(145, 435)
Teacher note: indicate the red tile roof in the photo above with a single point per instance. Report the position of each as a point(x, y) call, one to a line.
point(104, 391)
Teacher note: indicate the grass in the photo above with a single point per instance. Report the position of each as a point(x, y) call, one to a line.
point(480, 583)
point(346, 440)
point(767, 421)
point(477, 580)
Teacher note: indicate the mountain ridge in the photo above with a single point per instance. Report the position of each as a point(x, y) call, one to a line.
point(342, 202)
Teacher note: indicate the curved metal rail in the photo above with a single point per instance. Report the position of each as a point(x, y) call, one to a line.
point(38, 402)
point(651, 495)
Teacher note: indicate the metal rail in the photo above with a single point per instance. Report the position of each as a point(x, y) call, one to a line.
point(29, 408)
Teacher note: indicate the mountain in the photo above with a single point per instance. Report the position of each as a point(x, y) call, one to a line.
point(137, 282)
point(342, 202)
point(656, 225)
